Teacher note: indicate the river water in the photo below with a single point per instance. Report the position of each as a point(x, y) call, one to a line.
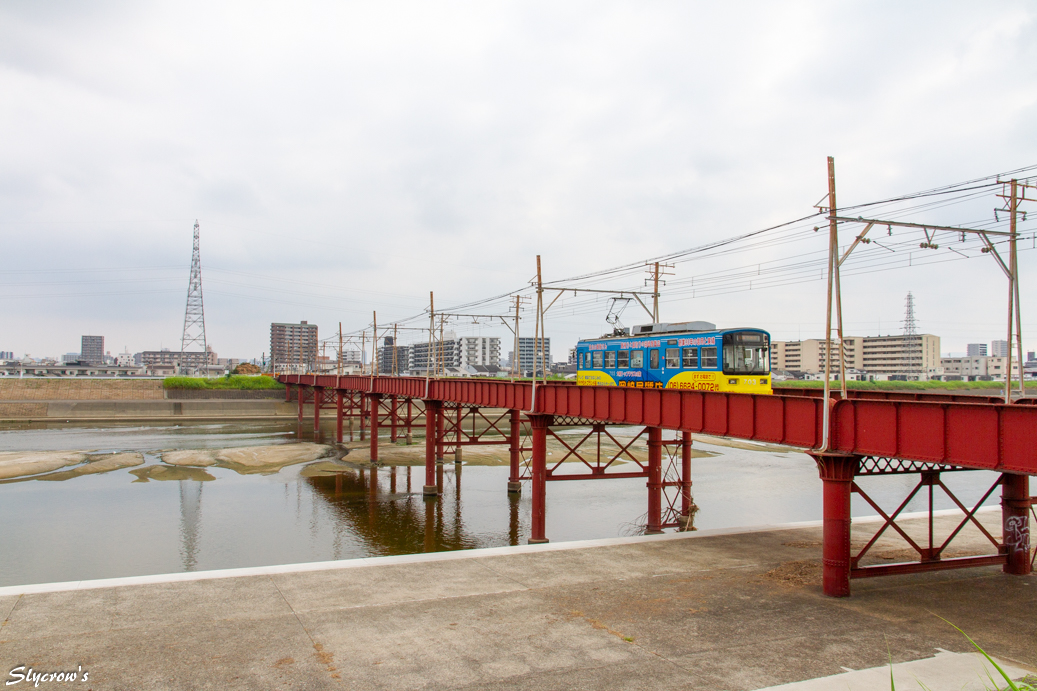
point(115, 524)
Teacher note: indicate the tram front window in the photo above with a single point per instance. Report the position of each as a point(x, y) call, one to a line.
point(746, 352)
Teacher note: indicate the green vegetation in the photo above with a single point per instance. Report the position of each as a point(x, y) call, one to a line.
point(243, 382)
point(902, 385)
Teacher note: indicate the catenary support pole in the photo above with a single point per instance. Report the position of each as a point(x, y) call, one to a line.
point(1015, 516)
point(538, 521)
point(837, 473)
point(515, 474)
point(655, 481)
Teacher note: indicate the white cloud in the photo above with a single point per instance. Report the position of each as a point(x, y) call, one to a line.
point(394, 148)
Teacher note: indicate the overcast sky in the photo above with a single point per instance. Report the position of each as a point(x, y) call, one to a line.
point(343, 158)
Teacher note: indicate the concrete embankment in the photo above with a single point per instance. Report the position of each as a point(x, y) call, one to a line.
point(145, 410)
point(723, 610)
point(128, 399)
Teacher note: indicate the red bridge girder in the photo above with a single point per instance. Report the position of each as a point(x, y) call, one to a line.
point(970, 432)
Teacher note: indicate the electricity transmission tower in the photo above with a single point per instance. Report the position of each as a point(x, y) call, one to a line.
point(914, 349)
point(910, 326)
point(194, 316)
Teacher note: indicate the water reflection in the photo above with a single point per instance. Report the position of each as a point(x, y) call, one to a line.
point(190, 520)
point(399, 521)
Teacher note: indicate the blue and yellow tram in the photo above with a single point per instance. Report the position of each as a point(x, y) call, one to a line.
point(690, 355)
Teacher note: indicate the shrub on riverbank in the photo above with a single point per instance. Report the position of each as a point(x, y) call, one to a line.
point(243, 382)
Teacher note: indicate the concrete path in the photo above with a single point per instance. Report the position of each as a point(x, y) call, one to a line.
point(691, 611)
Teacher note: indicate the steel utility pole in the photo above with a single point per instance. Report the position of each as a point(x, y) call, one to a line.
point(340, 349)
point(515, 359)
point(657, 270)
point(375, 365)
point(431, 337)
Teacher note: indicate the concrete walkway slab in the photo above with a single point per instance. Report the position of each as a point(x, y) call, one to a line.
point(735, 610)
point(946, 671)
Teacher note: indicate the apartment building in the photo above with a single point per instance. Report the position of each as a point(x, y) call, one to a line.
point(92, 350)
point(529, 355)
point(812, 354)
point(293, 347)
point(390, 352)
point(904, 354)
point(455, 352)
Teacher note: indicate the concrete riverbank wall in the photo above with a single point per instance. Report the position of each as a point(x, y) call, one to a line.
point(101, 399)
point(145, 410)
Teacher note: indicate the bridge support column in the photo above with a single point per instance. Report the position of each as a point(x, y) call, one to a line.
point(392, 419)
point(439, 431)
point(363, 416)
point(686, 501)
point(515, 474)
point(431, 415)
point(837, 473)
point(338, 415)
point(375, 400)
point(318, 399)
point(655, 481)
point(287, 393)
point(1015, 516)
point(457, 433)
point(410, 420)
point(302, 395)
point(538, 521)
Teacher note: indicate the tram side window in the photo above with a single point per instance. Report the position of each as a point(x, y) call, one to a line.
point(623, 359)
point(597, 359)
point(691, 358)
point(709, 358)
point(673, 358)
point(637, 359)
point(610, 359)
point(653, 358)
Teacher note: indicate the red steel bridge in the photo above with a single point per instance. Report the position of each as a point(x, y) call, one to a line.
point(870, 433)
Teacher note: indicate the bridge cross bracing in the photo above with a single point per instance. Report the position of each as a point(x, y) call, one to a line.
point(869, 433)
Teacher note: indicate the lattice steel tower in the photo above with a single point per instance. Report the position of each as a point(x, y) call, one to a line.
point(910, 326)
point(194, 316)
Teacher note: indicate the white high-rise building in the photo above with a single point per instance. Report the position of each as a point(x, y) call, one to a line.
point(999, 349)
